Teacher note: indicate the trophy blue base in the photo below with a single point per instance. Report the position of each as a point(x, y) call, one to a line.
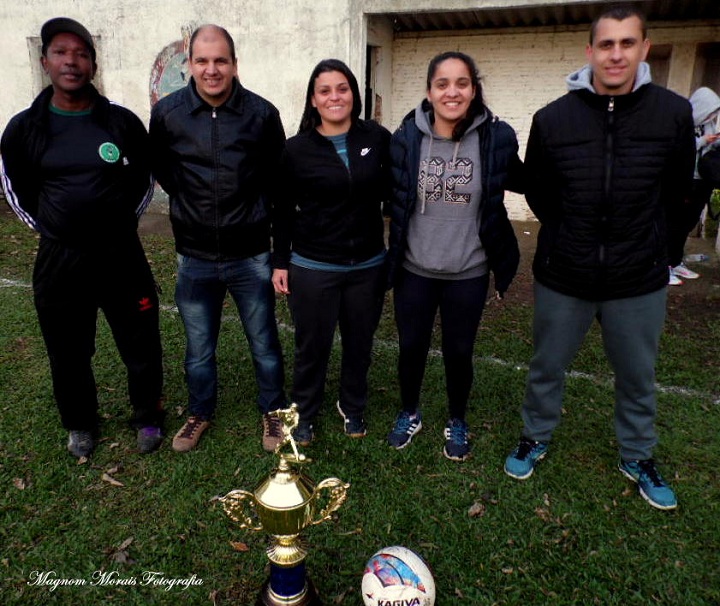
point(288, 586)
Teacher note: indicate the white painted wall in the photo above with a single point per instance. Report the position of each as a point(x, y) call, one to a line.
point(279, 42)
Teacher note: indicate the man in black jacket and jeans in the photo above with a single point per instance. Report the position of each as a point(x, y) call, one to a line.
point(76, 169)
point(608, 165)
point(216, 148)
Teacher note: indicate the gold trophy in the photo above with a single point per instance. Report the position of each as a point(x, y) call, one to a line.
point(283, 504)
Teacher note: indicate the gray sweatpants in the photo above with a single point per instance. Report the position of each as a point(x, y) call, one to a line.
point(631, 331)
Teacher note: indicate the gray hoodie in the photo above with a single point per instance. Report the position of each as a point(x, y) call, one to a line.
point(705, 105)
point(582, 78)
point(443, 240)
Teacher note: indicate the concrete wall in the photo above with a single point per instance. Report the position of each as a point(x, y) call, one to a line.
point(278, 43)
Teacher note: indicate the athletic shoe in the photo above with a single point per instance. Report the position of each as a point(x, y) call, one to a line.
point(149, 439)
point(521, 462)
point(405, 427)
point(354, 426)
point(696, 258)
point(189, 435)
point(682, 271)
point(303, 433)
point(272, 432)
point(651, 485)
point(81, 443)
point(457, 447)
point(673, 280)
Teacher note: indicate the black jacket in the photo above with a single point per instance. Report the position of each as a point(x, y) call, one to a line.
point(25, 140)
point(501, 170)
point(220, 169)
point(603, 177)
point(329, 212)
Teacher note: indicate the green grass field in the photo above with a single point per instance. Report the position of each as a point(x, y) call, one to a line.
point(575, 533)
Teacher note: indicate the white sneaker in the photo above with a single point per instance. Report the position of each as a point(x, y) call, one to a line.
point(682, 271)
point(673, 280)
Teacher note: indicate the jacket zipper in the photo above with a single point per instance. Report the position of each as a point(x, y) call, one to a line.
point(213, 136)
point(608, 175)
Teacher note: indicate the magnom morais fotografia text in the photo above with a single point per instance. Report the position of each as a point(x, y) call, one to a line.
point(112, 578)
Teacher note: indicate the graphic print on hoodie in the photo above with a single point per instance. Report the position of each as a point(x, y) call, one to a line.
point(443, 240)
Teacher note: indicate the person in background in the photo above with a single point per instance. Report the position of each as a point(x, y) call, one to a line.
point(76, 169)
point(452, 161)
point(329, 249)
point(216, 147)
point(706, 109)
point(607, 166)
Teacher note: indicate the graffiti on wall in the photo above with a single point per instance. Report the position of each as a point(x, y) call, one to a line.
point(170, 71)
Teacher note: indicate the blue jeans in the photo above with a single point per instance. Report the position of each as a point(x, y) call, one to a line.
point(199, 294)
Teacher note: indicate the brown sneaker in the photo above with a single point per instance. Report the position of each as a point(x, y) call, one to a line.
point(272, 432)
point(189, 435)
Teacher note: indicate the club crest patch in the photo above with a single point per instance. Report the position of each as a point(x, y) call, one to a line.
point(109, 152)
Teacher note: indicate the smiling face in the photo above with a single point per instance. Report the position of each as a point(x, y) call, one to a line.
point(333, 99)
point(212, 67)
point(615, 54)
point(451, 90)
point(69, 64)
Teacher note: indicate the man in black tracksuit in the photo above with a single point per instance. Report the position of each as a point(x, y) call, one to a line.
point(76, 169)
point(608, 165)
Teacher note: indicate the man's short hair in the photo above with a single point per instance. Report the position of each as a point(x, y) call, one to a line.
point(620, 12)
point(221, 30)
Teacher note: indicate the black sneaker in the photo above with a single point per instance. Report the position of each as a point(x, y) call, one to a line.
point(355, 426)
point(81, 443)
point(303, 433)
point(149, 439)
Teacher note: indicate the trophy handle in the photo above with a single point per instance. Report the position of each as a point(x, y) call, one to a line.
point(240, 505)
point(337, 495)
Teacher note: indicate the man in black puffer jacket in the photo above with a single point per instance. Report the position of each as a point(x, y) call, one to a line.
point(608, 165)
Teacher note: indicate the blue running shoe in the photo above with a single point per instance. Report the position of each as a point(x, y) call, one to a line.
point(457, 447)
point(653, 488)
point(521, 462)
point(406, 426)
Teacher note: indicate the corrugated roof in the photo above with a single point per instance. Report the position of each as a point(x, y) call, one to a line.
point(548, 15)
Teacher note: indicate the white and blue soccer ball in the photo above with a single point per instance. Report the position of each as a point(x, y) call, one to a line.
point(397, 576)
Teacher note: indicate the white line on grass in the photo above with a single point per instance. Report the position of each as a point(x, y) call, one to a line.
point(392, 346)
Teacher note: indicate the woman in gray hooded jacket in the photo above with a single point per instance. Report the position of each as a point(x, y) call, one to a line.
point(451, 162)
point(706, 112)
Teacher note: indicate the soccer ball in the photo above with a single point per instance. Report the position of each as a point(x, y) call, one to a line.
point(396, 576)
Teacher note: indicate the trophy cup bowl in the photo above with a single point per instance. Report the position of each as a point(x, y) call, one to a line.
point(283, 505)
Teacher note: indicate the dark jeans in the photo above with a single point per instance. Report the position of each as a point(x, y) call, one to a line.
point(461, 303)
point(320, 301)
point(70, 286)
point(679, 229)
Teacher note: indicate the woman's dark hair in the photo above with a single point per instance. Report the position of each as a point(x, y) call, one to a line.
point(311, 118)
point(477, 105)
